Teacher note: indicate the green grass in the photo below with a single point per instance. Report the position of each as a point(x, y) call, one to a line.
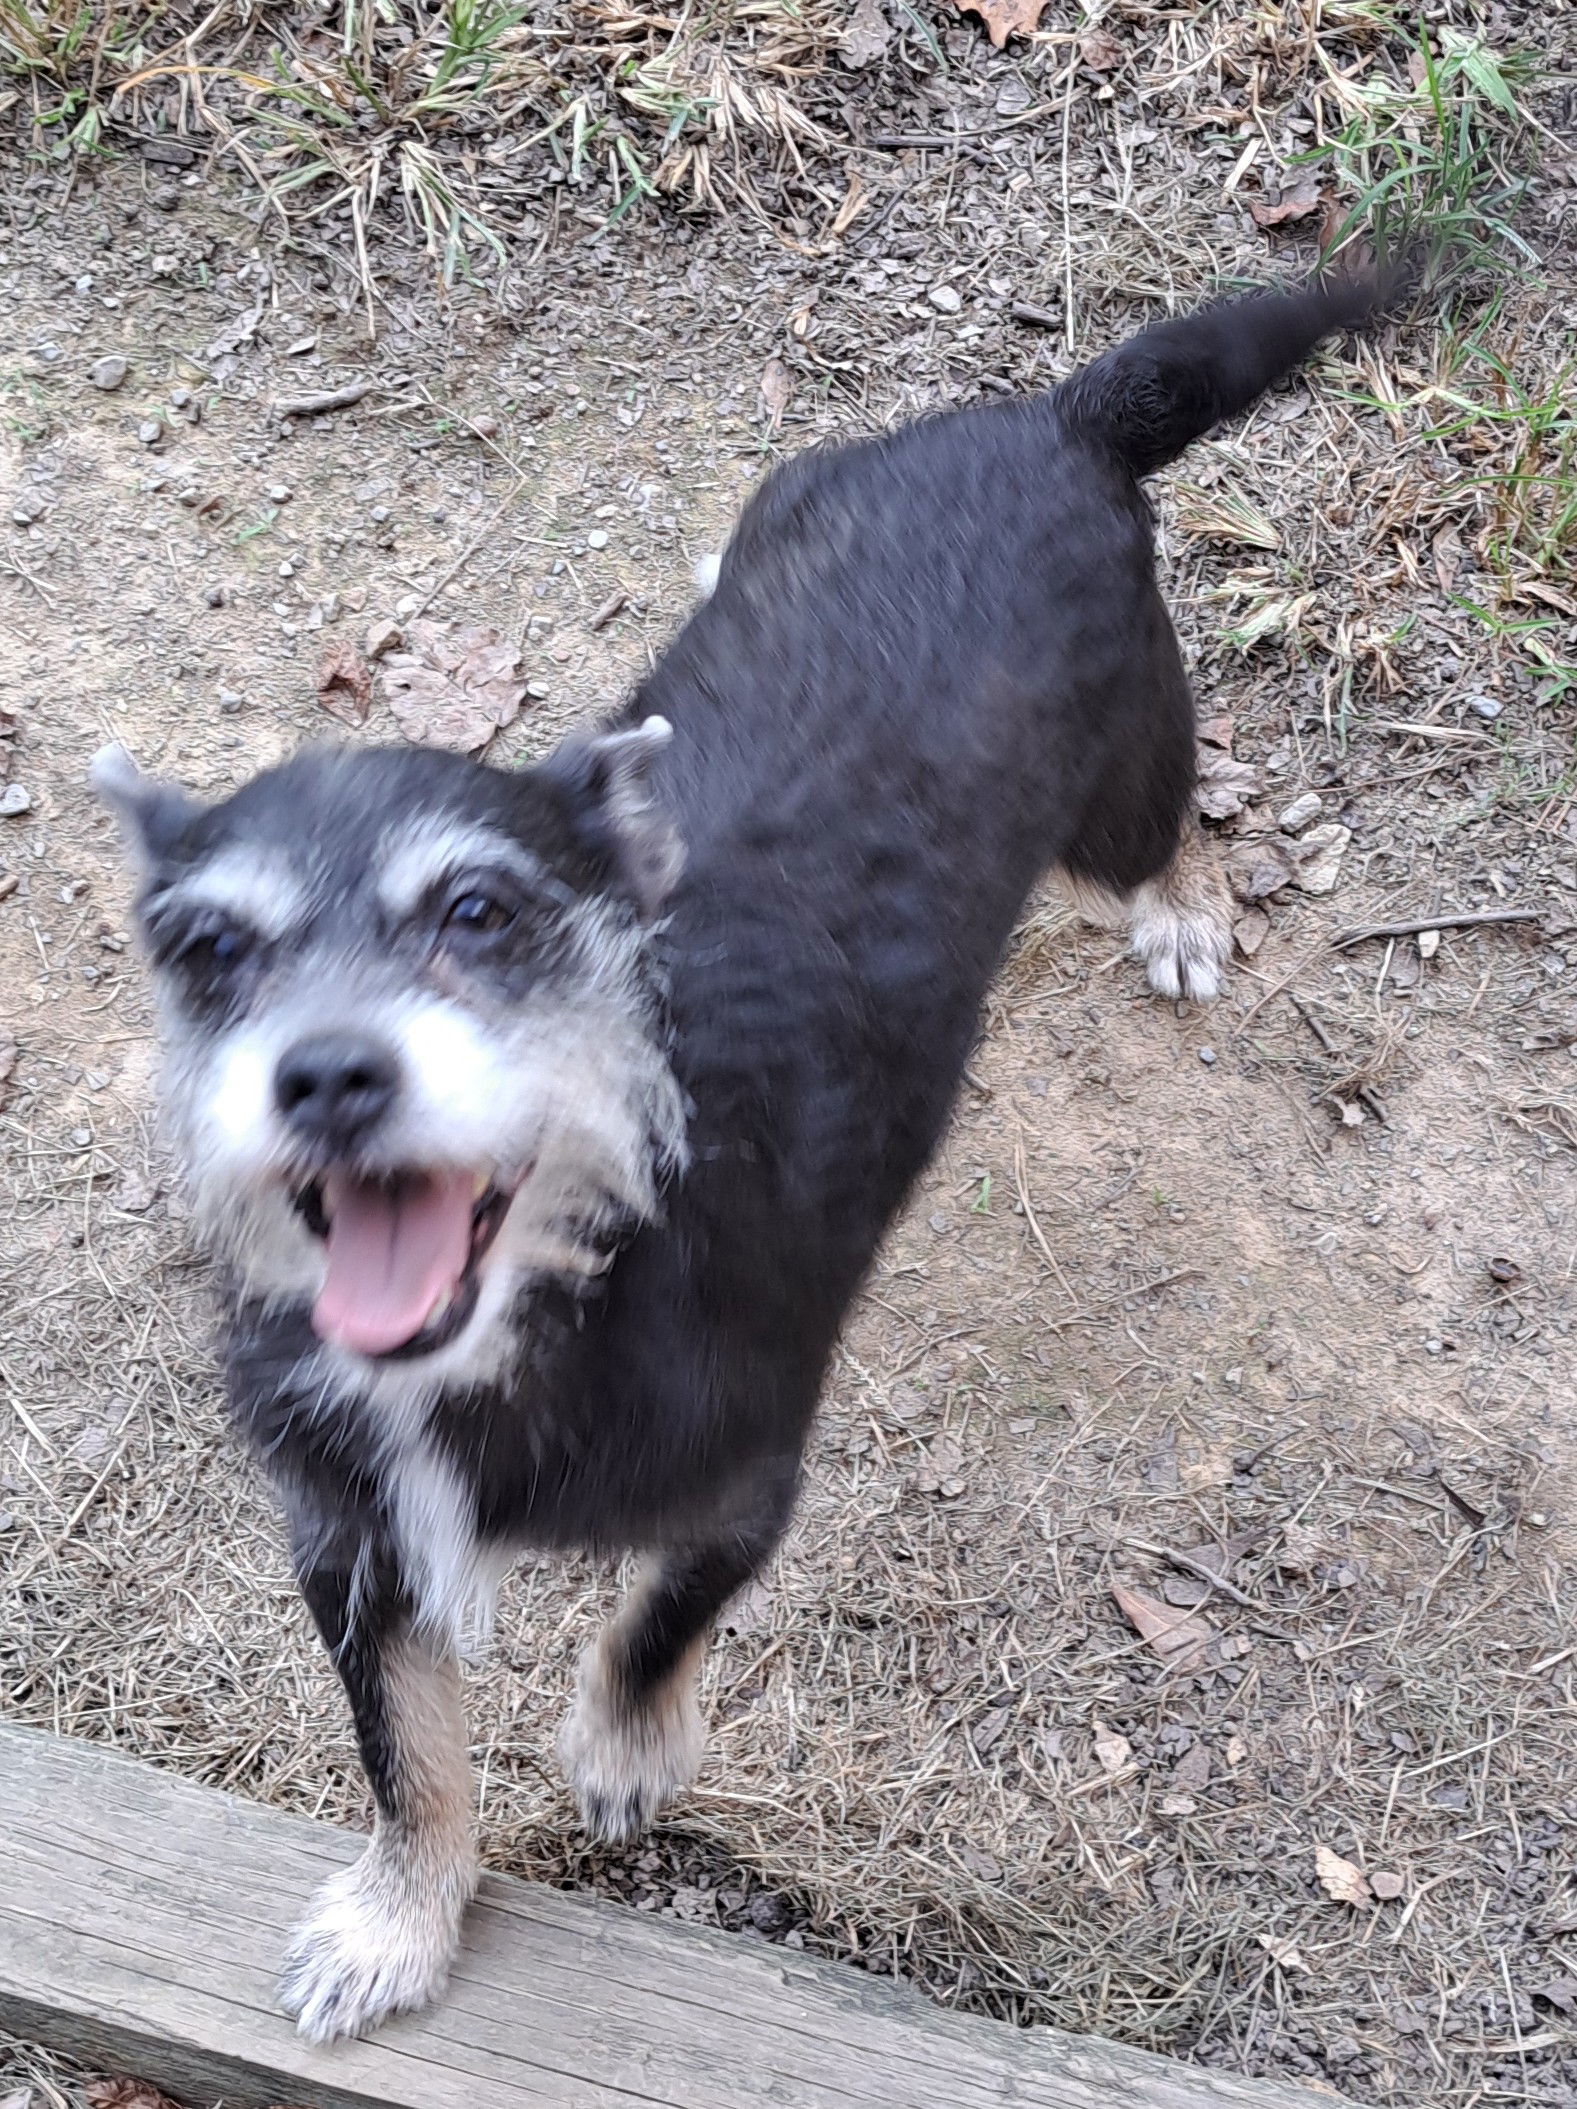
point(1436, 155)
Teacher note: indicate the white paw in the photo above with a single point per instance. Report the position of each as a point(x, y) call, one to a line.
point(625, 1763)
point(379, 1941)
point(706, 573)
point(1184, 952)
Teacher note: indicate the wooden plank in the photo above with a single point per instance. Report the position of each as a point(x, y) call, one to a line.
point(142, 1920)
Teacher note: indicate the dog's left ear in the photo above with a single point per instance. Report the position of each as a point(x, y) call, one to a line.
point(152, 815)
point(606, 784)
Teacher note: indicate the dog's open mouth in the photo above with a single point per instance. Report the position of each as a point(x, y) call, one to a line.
point(403, 1252)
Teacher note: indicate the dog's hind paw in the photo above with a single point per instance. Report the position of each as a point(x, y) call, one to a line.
point(626, 1760)
point(378, 1941)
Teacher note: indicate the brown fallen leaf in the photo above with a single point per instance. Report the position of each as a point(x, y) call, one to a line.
point(866, 34)
point(125, 2094)
point(940, 1470)
point(1341, 1881)
point(344, 682)
point(1180, 1638)
point(1100, 50)
point(1112, 1751)
point(1255, 869)
point(1282, 1953)
point(1003, 17)
point(777, 391)
point(1298, 203)
point(1217, 732)
point(1223, 786)
point(1446, 549)
point(454, 691)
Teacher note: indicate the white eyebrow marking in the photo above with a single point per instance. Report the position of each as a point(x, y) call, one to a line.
point(255, 885)
point(416, 859)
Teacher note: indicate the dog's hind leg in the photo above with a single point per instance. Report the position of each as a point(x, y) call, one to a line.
point(381, 1934)
point(633, 1738)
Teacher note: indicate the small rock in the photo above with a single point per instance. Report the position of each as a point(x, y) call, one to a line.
point(1301, 811)
point(150, 432)
point(769, 1914)
point(1486, 707)
point(27, 508)
point(1386, 1886)
point(1207, 1055)
point(945, 298)
point(14, 801)
point(214, 596)
point(180, 399)
point(164, 197)
point(1428, 943)
point(109, 372)
point(597, 539)
point(407, 606)
point(1318, 857)
point(280, 494)
point(1250, 931)
point(230, 699)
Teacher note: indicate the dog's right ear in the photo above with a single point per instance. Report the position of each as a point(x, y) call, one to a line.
point(152, 815)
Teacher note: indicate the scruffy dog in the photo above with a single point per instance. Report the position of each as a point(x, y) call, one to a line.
point(546, 1122)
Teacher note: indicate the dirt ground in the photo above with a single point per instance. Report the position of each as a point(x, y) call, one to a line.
point(1263, 1313)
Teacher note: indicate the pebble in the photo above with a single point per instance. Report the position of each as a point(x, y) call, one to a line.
point(945, 298)
point(597, 538)
point(407, 606)
point(150, 432)
point(14, 800)
point(1301, 811)
point(1207, 1055)
point(164, 198)
point(230, 699)
point(280, 493)
point(27, 508)
point(180, 398)
point(1486, 707)
point(1386, 1885)
point(383, 637)
point(214, 596)
point(109, 372)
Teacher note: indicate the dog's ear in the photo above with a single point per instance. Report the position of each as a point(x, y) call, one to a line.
point(152, 815)
point(605, 782)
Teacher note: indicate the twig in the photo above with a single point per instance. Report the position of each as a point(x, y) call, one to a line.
point(1461, 919)
point(475, 542)
point(1042, 318)
point(1366, 1092)
point(1162, 1281)
point(329, 399)
point(1201, 1573)
point(612, 606)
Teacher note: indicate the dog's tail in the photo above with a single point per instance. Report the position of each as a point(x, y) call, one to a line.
point(1153, 396)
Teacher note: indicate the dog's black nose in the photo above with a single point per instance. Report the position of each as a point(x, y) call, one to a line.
point(335, 1087)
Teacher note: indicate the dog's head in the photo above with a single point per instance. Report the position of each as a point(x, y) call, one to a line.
point(411, 1053)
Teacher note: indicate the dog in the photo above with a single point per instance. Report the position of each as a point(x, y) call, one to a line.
point(544, 1123)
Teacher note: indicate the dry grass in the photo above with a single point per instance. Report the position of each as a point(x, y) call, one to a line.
point(904, 1763)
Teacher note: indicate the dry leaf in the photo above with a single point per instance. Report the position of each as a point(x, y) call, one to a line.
point(978, 1863)
point(1217, 732)
point(1256, 869)
point(1298, 203)
point(344, 683)
point(1300, 1551)
point(777, 390)
point(454, 691)
point(1003, 17)
point(1112, 1751)
point(1100, 50)
point(1205, 1465)
point(855, 199)
point(1223, 787)
point(866, 35)
point(988, 1729)
point(1446, 549)
point(1180, 1638)
point(125, 2094)
point(1341, 1881)
point(1282, 1953)
point(940, 1472)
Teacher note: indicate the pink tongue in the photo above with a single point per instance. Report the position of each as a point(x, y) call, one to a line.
point(392, 1251)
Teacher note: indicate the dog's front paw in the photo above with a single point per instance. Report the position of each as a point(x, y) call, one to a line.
point(626, 1760)
point(1184, 944)
point(379, 1941)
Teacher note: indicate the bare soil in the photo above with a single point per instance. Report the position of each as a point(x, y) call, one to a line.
point(1264, 1313)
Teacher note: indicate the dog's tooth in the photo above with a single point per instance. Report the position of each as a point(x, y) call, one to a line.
point(479, 1185)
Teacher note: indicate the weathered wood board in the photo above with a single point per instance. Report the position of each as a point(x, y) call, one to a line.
point(142, 1920)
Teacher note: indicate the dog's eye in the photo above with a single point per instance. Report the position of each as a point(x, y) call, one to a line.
point(478, 914)
point(217, 949)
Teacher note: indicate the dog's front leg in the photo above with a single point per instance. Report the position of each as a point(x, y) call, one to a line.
point(381, 1935)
